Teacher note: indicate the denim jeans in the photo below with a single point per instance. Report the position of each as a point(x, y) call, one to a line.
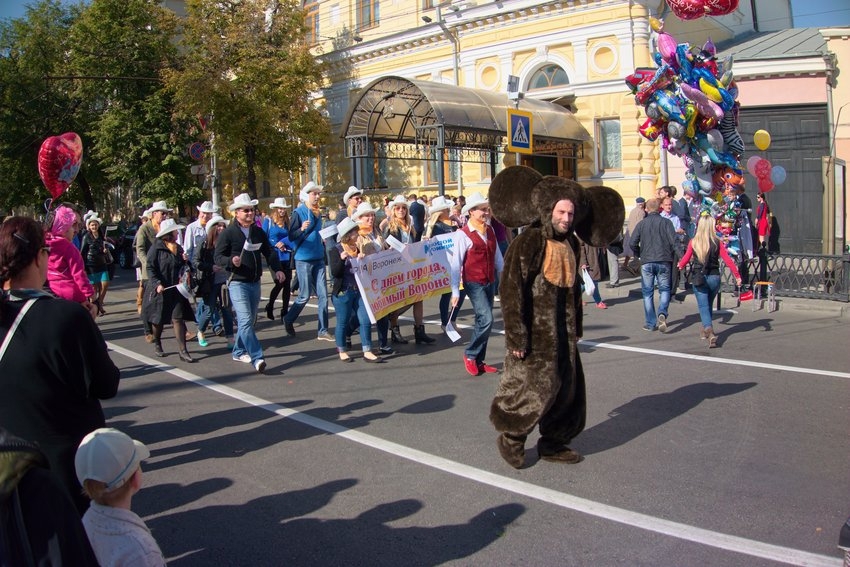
point(209, 310)
point(650, 274)
point(705, 295)
point(481, 296)
point(311, 276)
point(245, 297)
point(346, 303)
point(446, 307)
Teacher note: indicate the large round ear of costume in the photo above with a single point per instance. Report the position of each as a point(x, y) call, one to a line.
point(602, 221)
point(510, 196)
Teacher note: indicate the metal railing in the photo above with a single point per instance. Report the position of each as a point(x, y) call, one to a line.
point(813, 276)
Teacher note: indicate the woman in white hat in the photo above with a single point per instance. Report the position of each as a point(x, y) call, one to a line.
point(369, 241)
point(94, 253)
point(346, 295)
point(164, 303)
point(211, 279)
point(276, 227)
point(440, 223)
point(400, 227)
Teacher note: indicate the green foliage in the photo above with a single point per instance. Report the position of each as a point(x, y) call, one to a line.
point(248, 66)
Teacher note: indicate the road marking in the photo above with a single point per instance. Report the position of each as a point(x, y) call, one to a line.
point(620, 515)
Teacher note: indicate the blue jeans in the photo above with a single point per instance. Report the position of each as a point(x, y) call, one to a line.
point(705, 295)
point(481, 296)
point(346, 303)
point(311, 276)
point(245, 297)
point(210, 311)
point(650, 273)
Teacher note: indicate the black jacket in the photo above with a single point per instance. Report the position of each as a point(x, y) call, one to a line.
point(93, 251)
point(230, 243)
point(654, 239)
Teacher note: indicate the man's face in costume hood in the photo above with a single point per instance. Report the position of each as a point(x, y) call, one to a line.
point(562, 216)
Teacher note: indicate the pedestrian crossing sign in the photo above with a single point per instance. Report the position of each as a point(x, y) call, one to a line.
point(519, 131)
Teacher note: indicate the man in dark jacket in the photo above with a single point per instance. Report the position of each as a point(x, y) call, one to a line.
point(238, 251)
point(417, 215)
point(654, 242)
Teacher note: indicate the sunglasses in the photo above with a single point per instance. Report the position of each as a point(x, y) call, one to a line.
point(246, 211)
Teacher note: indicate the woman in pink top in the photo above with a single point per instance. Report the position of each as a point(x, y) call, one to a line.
point(66, 271)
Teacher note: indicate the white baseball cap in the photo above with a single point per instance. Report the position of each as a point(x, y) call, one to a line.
point(109, 456)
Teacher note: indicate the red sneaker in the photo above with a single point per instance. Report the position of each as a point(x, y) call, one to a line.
point(471, 366)
point(483, 367)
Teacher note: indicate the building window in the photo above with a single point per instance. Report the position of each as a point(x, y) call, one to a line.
point(375, 172)
point(311, 7)
point(367, 14)
point(609, 156)
point(450, 167)
point(548, 76)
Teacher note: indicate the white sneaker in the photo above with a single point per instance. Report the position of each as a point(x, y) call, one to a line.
point(260, 365)
point(246, 358)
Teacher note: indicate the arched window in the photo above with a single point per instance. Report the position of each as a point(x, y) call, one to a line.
point(548, 76)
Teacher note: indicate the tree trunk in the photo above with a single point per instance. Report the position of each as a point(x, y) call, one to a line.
point(250, 160)
point(86, 188)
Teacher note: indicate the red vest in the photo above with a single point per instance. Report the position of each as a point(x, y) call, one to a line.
point(479, 266)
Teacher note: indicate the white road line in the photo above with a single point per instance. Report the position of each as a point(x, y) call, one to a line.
point(643, 521)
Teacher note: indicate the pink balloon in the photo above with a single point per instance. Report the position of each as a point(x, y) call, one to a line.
point(765, 184)
point(720, 7)
point(59, 161)
point(751, 165)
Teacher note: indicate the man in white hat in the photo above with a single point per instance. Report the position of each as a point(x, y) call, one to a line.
point(238, 251)
point(194, 237)
point(309, 260)
point(352, 198)
point(481, 260)
point(145, 237)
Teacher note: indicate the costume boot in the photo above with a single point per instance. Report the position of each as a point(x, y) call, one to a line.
point(557, 452)
point(421, 337)
point(712, 338)
point(397, 337)
point(512, 449)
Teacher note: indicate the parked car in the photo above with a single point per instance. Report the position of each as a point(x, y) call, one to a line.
point(124, 253)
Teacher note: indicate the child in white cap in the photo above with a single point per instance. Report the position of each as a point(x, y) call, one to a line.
point(108, 467)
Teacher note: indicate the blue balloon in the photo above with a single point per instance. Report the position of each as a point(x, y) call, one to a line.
point(778, 174)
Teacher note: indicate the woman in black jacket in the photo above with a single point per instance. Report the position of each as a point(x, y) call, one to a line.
point(163, 302)
point(93, 251)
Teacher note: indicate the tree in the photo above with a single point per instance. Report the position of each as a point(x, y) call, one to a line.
point(247, 65)
point(120, 51)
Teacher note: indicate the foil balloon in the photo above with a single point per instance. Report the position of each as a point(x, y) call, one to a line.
point(59, 161)
point(687, 9)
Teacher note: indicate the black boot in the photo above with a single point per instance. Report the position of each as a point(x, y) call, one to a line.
point(157, 348)
point(270, 311)
point(397, 337)
point(421, 337)
point(185, 356)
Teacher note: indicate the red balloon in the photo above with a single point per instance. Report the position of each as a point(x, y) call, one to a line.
point(59, 161)
point(763, 169)
point(687, 9)
point(765, 184)
point(720, 7)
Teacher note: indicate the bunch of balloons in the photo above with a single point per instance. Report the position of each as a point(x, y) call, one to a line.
point(690, 103)
point(768, 176)
point(59, 161)
point(693, 9)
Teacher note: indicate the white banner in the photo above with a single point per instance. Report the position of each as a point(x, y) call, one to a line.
point(391, 280)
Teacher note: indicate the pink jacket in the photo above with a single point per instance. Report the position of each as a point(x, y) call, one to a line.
point(66, 272)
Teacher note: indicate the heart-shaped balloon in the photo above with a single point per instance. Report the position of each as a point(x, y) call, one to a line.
point(687, 9)
point(720, 7)
point(59, 161)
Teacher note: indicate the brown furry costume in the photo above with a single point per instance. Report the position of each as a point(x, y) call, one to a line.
point(542, 309)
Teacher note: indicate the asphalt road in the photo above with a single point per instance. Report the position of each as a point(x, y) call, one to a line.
point(729, 457)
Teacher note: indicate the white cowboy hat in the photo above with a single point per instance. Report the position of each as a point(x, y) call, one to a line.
point(352, 191)
point(146, 214)
point(207, 207)
point(440, 203)
point(363, 208)
point(89, 214)
point(311, 186)
point(279, 203)
point(242, 201)
point(159, 206)
point(214, 220)
point(94, 218)
point(474, 200)
point(168, 225)
point(345, 226)
point(399, 200)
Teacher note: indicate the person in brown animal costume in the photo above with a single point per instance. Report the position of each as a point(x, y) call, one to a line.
point(543, 380)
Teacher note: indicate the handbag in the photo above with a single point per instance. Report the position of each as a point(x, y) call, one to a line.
point(697, 274)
